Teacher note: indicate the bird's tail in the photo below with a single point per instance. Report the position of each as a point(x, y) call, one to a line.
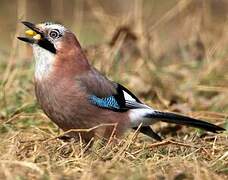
point(183, 120)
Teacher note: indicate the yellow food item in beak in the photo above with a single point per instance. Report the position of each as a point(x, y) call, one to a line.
point(30, 32)
point(37, 37)
point(33, 34)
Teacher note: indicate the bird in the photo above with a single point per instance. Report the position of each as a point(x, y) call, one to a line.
point(75, 95)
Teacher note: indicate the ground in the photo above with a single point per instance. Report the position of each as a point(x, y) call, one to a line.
point(179, 70)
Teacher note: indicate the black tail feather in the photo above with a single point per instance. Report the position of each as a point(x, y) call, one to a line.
point(184, 120)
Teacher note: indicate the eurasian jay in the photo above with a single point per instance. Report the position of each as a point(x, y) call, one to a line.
point(74, 95)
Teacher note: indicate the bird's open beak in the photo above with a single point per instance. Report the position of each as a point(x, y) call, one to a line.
point(34, 34)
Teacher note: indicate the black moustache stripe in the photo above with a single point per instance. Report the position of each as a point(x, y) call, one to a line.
point(44, 43)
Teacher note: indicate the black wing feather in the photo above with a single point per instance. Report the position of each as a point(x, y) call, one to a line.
point(147, 130)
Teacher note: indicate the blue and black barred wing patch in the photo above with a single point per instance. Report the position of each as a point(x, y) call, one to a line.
point(123, 100)
point(107, 102)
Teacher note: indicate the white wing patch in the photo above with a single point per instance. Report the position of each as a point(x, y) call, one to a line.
point(132, 102)
point(137, 116)
point(128, 97)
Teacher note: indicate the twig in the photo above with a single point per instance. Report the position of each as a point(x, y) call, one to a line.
point(170, 142)
point(82, 130)
point(167, 142)
point(112, 135)
point(180, 6)
point(126, 146)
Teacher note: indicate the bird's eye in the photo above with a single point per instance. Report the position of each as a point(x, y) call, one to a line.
point(54, 33)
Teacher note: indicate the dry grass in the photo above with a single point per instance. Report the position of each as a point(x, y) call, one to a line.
point(183, 71)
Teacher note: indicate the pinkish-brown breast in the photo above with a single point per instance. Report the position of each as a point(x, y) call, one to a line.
point(66, 103)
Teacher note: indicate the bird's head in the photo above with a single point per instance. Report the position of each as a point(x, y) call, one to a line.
point(48, 35)
point(51, 43)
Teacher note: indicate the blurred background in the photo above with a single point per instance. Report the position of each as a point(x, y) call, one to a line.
point(173, 54)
